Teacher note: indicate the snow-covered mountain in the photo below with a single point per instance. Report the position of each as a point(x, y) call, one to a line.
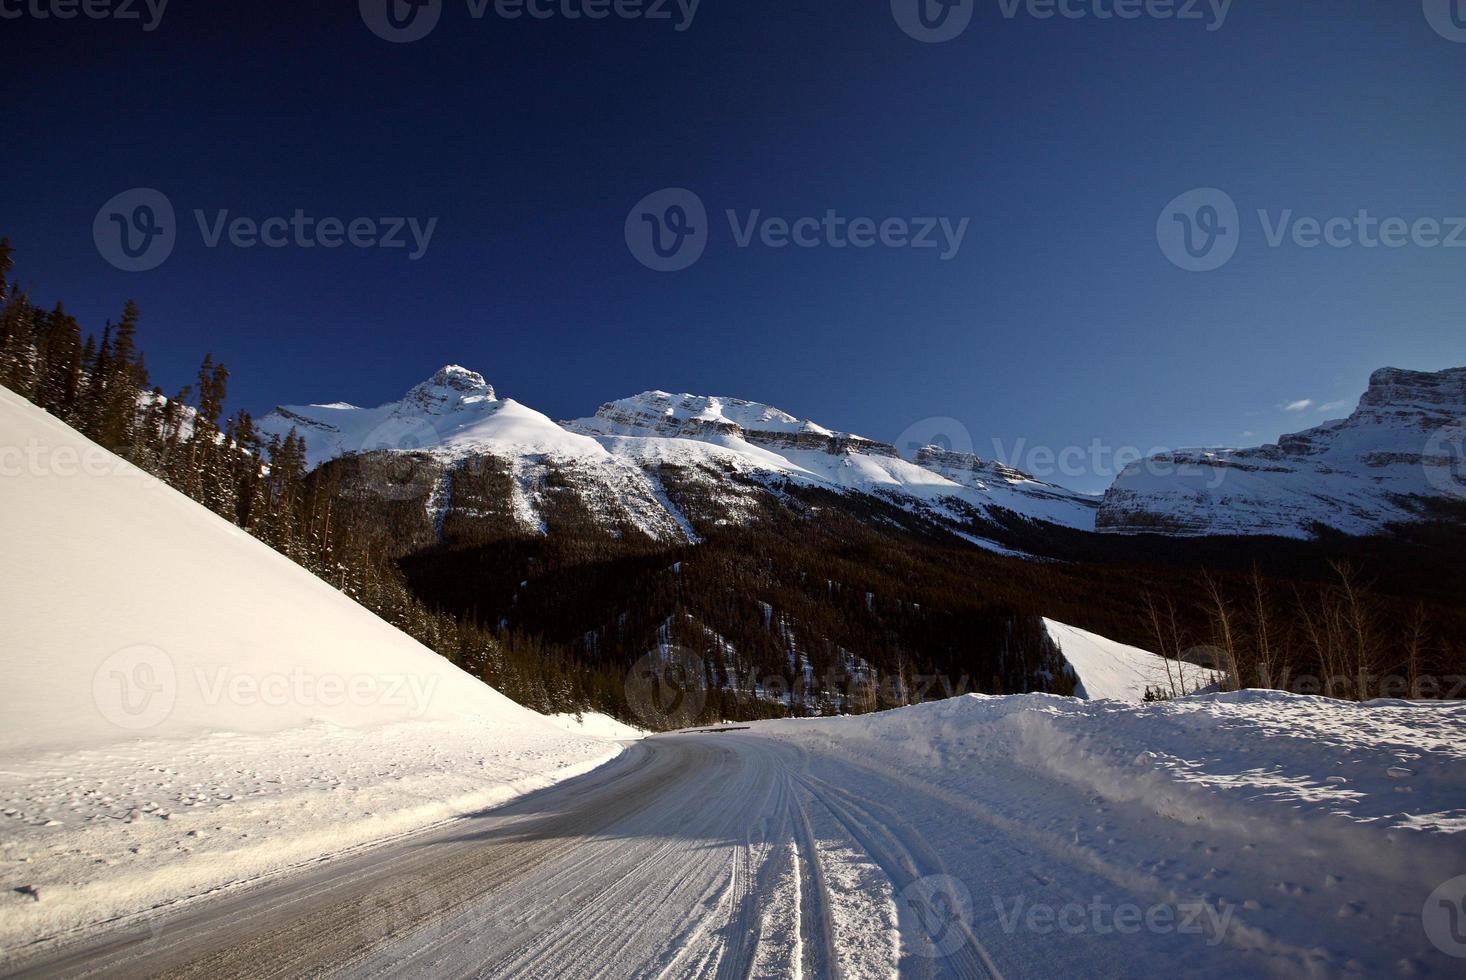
point(185, 709)
point(671, 465)
point(727, 452)
point(1398, 454)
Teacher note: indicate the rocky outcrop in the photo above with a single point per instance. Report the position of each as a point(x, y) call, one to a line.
point(1397, 456)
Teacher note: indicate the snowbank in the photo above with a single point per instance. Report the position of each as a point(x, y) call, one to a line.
point(184, 709)
point(1313, 831)
point(1107, 669)
point(596, 725)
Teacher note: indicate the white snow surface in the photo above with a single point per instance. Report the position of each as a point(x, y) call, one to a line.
point(454, 411)
point(1300, 836)
point(1107, 669)
point(597, 725)
point(185, 709)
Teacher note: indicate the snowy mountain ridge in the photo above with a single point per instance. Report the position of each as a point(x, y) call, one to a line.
point(730, 448)
point(1399, 452)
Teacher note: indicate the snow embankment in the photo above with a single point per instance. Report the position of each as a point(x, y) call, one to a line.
point(184, 709)
point(1107, 669)
point(1308, 833)
point(596, 725)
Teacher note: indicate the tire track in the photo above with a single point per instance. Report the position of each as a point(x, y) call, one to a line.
point(906, 863)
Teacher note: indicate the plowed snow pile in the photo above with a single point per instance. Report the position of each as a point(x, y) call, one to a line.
point(183, 709)
point(1107, 669)
point(1302, 836)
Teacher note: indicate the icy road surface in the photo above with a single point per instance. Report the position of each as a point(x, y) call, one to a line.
point(742, 854)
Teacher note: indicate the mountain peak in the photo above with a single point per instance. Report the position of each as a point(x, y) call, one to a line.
point(452, 385)
point(667, 414)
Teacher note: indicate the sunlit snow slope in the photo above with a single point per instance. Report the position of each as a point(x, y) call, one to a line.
point(125, 597)
point(726, 448)
point(1107, 669)
point(185, 709)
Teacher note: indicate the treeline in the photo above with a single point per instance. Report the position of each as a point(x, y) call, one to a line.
point(101, 387)
point(1341, 637)
point(806, 608)
point(814, 602)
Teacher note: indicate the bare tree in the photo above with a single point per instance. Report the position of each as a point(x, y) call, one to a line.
point(1416, 632)
point(1222, 617)
point(1357, 616)
point(1160, 638)
point(1262, 633)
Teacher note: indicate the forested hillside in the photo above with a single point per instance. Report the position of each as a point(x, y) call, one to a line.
point(820, 602)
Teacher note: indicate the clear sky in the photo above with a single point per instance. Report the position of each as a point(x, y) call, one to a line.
point(1059, 321)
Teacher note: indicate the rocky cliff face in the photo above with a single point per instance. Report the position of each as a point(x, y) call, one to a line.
point(980, 474)
point(674, 467)
point(1396, 458)
point(671, 467)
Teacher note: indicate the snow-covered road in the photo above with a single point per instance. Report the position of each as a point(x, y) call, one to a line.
point(758, 853)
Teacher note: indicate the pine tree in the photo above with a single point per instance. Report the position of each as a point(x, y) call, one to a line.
point(7, 262)
point(18, 356)
point(59, 383)
point(123, 377)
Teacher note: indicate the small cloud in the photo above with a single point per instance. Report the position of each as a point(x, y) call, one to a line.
point(1249, 434)
point(1301, 405)
point(1337, 406)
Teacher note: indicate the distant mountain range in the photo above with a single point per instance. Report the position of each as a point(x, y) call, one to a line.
point(672, 467)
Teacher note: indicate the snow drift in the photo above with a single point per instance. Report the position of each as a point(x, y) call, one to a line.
point(1107, 669)
point(173, 685)
point(1310, 837)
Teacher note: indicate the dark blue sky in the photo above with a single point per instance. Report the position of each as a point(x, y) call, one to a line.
point(1059, 321)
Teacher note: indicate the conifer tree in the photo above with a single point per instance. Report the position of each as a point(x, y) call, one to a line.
point(61, 363)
